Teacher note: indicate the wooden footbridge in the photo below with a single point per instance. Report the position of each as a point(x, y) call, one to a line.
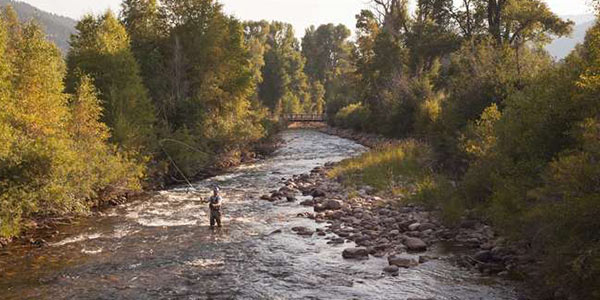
point(305, 118)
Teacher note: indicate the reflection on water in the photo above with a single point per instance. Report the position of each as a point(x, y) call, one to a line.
point(161, 248)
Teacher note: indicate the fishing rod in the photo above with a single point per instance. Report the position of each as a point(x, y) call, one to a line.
point(190, 186)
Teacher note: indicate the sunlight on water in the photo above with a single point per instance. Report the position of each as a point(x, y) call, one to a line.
point(205, 263)
point(95, 251)
point(76, 239)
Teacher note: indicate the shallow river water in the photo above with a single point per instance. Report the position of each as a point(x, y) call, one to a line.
point(162, 248)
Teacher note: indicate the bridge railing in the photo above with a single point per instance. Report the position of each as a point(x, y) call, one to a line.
point(304, 117)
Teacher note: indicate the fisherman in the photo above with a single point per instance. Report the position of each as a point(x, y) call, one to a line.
point(215, 202)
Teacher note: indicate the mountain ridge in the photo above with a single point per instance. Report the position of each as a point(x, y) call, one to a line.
point(58, 28)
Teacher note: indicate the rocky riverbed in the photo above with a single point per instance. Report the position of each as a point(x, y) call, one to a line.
point(401, 233)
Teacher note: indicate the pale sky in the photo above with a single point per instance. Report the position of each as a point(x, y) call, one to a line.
point(300, 13)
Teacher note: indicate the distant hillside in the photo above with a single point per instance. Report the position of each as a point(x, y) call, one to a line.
point(58, 28)
point(561, 47)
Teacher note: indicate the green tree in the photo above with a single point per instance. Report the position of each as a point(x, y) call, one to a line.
point(101, 169)
point(284, 86)
point(54, 158)
point(327, 51)
point(101, 49)
point(317, 93)
point(37, 164)
point(215, 82)
point(148, 34)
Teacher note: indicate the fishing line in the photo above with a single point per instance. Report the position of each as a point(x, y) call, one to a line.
point(173, 161)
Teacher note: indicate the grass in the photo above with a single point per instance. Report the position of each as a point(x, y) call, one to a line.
point(405, 171)
point(396, 169)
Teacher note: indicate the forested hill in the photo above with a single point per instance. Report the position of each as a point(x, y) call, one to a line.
point(58, 28)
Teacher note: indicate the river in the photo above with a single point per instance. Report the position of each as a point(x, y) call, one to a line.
point(162, 248)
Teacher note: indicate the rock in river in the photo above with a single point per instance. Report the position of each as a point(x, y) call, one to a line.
point(317, 193)
point(332, 205)
point(391, 269)
point(304, 231)
point(356, 253)
point(403, 261)
point(414, 226)
point(307, 203)
point(415, 244)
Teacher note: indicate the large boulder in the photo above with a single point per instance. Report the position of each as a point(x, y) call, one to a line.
point(317, 192)
point(415, 244)
point(414, 226)
point(307, 203)
point(332, 204)
point(427, 226)
point(304, 231)
point(403, 261)
point(484, 256)
point(391, 269)
point(355, 253)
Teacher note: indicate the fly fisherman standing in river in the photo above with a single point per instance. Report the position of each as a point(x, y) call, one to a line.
point(215, 202)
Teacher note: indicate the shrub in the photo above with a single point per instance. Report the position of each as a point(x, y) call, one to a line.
point(396, 168)
point(354, 116)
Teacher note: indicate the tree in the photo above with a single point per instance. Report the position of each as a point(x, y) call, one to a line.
point(35, 156)
point(430, 37)
point(469, 18)
point(6, 132)
point(147, 31)
point(284, 86)
point(101, 49)
point(212, 77)
point(101, 169)
point(317, 93)
point(255, 36)
point(328, 56)
point(327, 51)
point(54, 157)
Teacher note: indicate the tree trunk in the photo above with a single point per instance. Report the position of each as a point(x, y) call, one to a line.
point(495, 8)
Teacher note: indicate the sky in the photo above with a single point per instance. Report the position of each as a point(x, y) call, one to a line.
point(300, 13)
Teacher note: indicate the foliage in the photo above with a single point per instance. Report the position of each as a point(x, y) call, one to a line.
point(328, 54)
point(398, 168)
point(352, 116)
point(54, 157)
point(101, 49)
point(516, 132)
point(283, 86)
point(203, 72)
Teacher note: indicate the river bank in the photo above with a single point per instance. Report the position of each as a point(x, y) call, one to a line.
point(382, 225)
point(369, 140)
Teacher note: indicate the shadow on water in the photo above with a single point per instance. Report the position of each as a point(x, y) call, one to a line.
point(162, 248)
